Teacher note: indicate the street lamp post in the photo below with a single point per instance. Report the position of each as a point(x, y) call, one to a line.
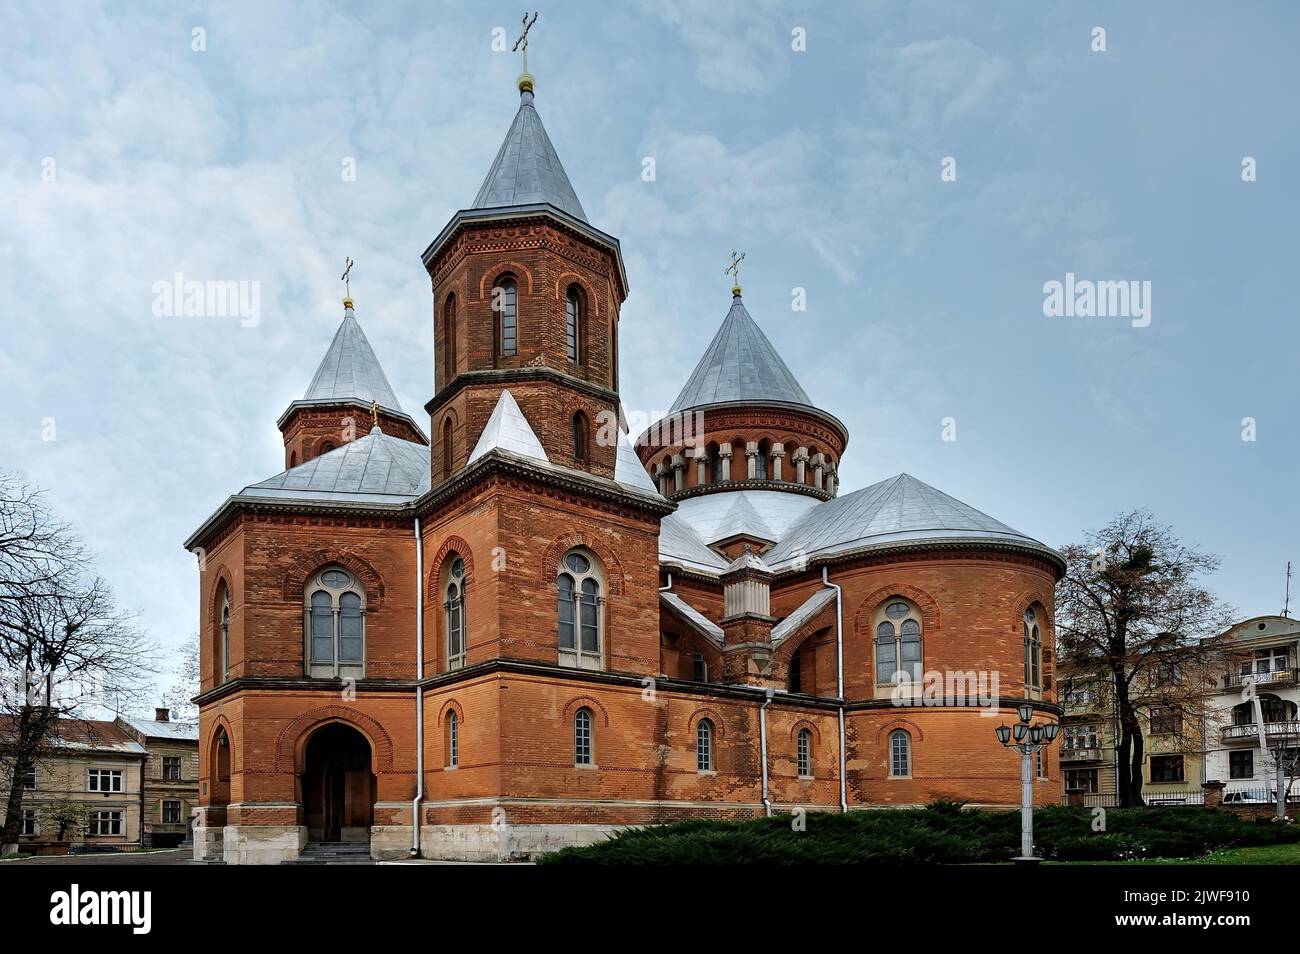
point(1028, 740)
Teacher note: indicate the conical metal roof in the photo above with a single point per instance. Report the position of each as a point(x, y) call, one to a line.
point(527, 170)
point(350, 371)
point(740, 364)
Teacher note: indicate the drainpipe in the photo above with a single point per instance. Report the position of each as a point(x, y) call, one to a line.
point(762, 747)
point(839, 682)
point(665, 589)
point(419, 692)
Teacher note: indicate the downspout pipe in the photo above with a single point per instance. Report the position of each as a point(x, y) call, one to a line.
point(419, 692)
point(762, 747)
point(839, 682)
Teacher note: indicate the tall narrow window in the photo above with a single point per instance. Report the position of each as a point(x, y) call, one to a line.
point(335, 624)
point(805, 753)
point(449, 339)
point(446, 448)
point(225, 635)
point(760, 461)
point(455, 609)
point(1033, 651)
point(453, 739)
point(572, 324)
point(899, 652)
point(579, 436)
point(699, 668)
point(704, 746)
point(900, 754)
point(505, 301)
point(795, 681)
point(582, 737)
point(579, 603)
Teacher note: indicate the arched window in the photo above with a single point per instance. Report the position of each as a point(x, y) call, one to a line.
point(454, 605)
point(326, 448)
point(804, 748)
point(573, 324)
point(335, 618)
point(898, 643)
point(505, 302)
point(446, 448)
point(900, 754)
point(715, 462)
point(699, 668)
point(449, 339)
point(795, 681)
point(293, 460)
point(222, 744)
point(225, 633)
point(704, 746)
point(582, 750)
point(580, 436)
point(579, 586)
point(451, 740)
point(1033, 651)
point(760, 462)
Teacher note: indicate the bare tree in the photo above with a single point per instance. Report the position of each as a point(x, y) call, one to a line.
point(1131, 606)
point(179, 696)
point(64, 645)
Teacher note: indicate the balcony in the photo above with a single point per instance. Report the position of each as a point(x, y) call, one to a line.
point(1092, 754)
point(1272, 730)
point(1275, 677)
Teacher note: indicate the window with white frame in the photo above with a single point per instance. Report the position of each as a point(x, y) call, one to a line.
point(454, 607)
point(579, 585)
point(1081, 780)
point(803, 744)
point(336, 632)
point(704, 746)
point(900, 754)
point(1081, 736)
point(1266, 661)
point(171, 765)
point(452, 740)
point(582, 749)
point(225, 634)
point(106, 823)
point(31, 827)
point(30, 777)
point(1033, 651)
point(103, 780)
point(898, 643)
point(171, 812)
point(505, 302)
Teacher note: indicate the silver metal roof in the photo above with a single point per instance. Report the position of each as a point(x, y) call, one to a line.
point(627, 467)
point(766, 514)
point(740, 364)
point(350, 370)
point(374, 468)
point(899, 509)
point(697, 620)
point(527, 169)
point(180, 731)
point(508, 429)
point(680, 544)
point(805, 611)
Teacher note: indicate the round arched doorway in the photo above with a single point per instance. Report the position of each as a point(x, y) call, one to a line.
point(338, 786)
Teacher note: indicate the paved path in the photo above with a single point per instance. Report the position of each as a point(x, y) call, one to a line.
point(172, 856)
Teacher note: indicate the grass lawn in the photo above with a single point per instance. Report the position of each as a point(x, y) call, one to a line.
point(1256, 855)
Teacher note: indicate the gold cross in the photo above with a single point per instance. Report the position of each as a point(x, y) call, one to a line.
point(734, 269)
point(374, 413)
point(347, 285)
point(522, 42)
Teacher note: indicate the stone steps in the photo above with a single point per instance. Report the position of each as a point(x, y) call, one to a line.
point(333, 853)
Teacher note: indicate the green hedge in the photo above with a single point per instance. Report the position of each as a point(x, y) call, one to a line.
point(941, 833)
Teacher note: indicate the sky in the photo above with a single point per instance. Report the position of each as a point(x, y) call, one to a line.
point(819, 138)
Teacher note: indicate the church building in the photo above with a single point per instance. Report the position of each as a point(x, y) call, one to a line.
point(530, 627)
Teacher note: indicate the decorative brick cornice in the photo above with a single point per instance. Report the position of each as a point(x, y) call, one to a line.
point(504, 377)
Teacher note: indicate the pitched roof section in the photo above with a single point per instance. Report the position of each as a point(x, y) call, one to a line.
point(692, 617)
point(740, 364)
point(627, 467)
point(527, 170)
point(350, 370)
point(899, 509)
point(372, 469)
point(507, 429)
point(765, 514)
point(802, 614)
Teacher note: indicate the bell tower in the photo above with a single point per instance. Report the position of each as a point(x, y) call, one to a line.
point(526, 296)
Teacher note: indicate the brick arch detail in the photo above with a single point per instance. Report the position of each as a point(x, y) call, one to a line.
point(291, 742)
point(1023, 601)
point(221, 722)
point(801, 635)
point(458, 546)
point(562, 545)
point(805, 724)
point(930, 617)
point(577, 702)
point(219, 576)
point(566, 279)
point(704, 712)
point(451, 705)
point(307, 565)
point(900, 723)
point(520, 272)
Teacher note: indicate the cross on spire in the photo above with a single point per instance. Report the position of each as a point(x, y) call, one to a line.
point(734, 271)
point(347, 284)
point(521, 45)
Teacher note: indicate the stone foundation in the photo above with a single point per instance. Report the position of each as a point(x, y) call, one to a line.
point(489, 843)
point(262, 844)
point(209, 844)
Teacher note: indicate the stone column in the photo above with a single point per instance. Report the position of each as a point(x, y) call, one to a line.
point(832, 480)
point(751, 455)
point(661, 476)
point(800, 459)
point(778, 451)
point(724, 455)
point(701, 465)
point(679, 472)
point(818, 465)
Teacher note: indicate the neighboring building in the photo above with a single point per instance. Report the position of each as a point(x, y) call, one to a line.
point(1264, 654)
point(529, 633)
point(1088, 734)
point(171, 775)
point(90, 772)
